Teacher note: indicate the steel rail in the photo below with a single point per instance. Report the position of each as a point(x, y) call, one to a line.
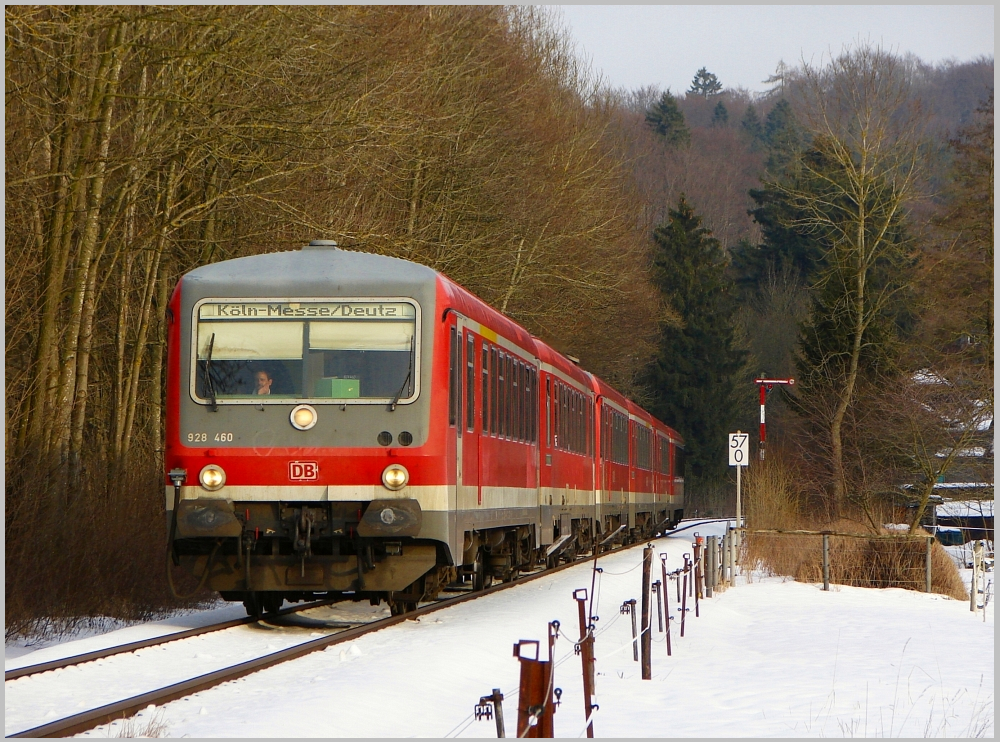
point(98, 654)
point(87, 720)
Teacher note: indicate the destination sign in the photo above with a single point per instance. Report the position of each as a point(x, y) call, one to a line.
point(361, 310)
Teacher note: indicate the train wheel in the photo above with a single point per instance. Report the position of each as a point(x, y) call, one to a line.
point(398, 608)
point(253, 606)
point(259, 603)
point(480, 580)
point(271, 602)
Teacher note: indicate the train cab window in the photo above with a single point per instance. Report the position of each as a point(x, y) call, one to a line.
point(306, 350)
point(470, 382)
point(678, 462)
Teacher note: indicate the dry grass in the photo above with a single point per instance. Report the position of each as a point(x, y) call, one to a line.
point(147, 724)
point(774, 501)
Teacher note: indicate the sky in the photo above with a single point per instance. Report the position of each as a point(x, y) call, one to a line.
point(664, 45)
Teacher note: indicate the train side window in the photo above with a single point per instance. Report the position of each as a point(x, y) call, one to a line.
point(532, 404)
point(678, 462)
point(470, 382)
point(493, 390)
point(458, 383)
point(486, 389)
point(604, 445)
point(572, 420)
point(452, 397)
point(528, 386)
point(523, 427)
point(604, 434)
point(548, 411)
point(519, 403)
point(527, 404)
point(515, 401)
point(510, 398)
point(575, 401)
point(557, 415)
point(566, 442)
point(502, 391)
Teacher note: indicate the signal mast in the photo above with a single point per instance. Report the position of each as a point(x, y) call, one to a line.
point(765, 386)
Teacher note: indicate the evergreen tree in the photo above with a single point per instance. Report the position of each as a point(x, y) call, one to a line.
point(784, 247)
point(693, 379)
point(753, 127)
point(666, 119)
point(705, 84)
point(783, 136)
point(720, 116)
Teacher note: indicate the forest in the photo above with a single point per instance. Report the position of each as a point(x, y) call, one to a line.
point(837, 228)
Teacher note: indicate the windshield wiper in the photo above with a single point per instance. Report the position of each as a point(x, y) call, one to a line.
point(409, 374)
point(213, 406)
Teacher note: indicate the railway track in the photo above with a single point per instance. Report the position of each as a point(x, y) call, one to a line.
point(100, 654)
point(127, 707)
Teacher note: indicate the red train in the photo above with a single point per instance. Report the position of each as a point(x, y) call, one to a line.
point(352, 425)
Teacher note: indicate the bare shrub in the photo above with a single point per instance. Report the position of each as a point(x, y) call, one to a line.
point(776, 500)
point(97, 553)
point(772, 495)
point(865, 560)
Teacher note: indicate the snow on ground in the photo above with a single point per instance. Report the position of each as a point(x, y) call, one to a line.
point(101, 633)
point(767, 658)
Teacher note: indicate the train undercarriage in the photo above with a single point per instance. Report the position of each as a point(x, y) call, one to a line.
point(264, 553)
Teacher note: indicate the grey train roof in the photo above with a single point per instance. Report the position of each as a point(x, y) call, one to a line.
point(312, 271)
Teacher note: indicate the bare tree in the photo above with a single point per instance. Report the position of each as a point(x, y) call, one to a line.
point(857, 180)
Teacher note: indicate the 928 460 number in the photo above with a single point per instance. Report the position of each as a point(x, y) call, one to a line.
point(203, 437)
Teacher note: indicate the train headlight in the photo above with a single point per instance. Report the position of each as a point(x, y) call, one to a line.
point(303, 417)
point(395, 477)
point(212, 477)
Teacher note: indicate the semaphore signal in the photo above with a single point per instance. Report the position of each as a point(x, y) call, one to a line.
point(765, 386)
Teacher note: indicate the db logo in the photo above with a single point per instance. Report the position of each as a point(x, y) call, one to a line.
point(303, 470)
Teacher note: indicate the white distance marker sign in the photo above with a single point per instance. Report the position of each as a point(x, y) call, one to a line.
point(739, 449)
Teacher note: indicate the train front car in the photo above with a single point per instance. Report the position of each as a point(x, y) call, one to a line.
point(301, 451)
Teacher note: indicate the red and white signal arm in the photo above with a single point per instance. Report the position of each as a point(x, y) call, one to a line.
point(739, 449)
point(303, 470)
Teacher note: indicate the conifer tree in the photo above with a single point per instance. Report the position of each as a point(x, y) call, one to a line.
point(753, 127)
point(705, 84)
point(783, 136)
point(693, 378)
point(720, 115)
point(667, 120)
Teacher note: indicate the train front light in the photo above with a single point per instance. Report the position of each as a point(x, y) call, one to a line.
point(212, 477)
point(395, 477)
point(303, 417)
